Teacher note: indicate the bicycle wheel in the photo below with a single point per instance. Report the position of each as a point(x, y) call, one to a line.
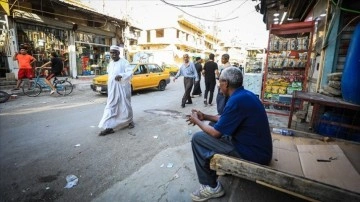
point(31, 89)
point(64, 87)
point(4, 96)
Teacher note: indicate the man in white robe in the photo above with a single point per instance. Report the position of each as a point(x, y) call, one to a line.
point(118, 112)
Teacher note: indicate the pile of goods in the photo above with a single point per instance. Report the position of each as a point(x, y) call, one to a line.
point(333, 88)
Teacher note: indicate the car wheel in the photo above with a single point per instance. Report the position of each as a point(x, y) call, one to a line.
point(162, 85)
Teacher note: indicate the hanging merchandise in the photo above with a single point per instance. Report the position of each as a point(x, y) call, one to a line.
point(287, 63)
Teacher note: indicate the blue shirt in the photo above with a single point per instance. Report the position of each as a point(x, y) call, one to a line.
point(244, 119)
point(188, 71)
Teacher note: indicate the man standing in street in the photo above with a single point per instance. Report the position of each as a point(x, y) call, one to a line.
point(118, 112)
point(220, 98)
point(242, 131)
point(210, 72)
point(187, 70)
point(25, 66)
point(197, 88)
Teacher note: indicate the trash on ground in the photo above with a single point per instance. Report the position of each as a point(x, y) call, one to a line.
point(162, 165)
point(72, 181)
point(156, 137)
point(170, 165)
point(77, 145)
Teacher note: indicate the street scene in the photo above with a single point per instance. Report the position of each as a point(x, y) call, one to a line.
point(44, 139)
point(164, 100)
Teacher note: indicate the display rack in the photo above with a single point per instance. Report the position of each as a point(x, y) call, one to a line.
point(287, 64)
point(253, 73)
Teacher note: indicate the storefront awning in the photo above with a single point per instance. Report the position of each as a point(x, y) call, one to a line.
point(20, 15)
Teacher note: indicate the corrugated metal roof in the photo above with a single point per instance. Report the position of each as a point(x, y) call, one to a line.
point(80, 5)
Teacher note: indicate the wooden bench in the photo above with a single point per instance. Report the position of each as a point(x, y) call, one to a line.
point(305, 166)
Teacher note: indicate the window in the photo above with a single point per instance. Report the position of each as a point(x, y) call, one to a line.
point(143, 69)
point(159, 33)
point(154, 68)
point(148, 36)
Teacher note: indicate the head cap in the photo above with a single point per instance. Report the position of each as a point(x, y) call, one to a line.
point(113, 47)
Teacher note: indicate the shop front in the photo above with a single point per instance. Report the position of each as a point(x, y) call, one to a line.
point(40, 41)
point(84, 49)
point(92, 50)
point(92, 53)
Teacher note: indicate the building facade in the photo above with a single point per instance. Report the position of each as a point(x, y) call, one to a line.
point(168, 44)
point(78, 33)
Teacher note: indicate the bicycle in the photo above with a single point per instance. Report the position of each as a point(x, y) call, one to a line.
point(4, 96)
point(33, 88)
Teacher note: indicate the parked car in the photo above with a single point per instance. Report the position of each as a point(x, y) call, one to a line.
point(146, 75)
point(172, 68)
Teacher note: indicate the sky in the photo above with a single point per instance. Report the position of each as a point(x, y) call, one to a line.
point(236, 19)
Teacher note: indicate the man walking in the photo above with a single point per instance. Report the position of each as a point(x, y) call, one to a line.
point(210, 72)
point(197, 88)
point(241, 131)
point(25, 66)
point(187, 70)
point(118, 112)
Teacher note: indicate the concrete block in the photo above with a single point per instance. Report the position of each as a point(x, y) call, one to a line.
point(10, 76)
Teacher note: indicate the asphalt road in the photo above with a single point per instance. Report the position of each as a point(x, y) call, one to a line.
point(47, 138)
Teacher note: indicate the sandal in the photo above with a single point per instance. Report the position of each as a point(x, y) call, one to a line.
point(106, 132)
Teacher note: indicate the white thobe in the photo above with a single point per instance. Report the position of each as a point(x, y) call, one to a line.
point(118, 111)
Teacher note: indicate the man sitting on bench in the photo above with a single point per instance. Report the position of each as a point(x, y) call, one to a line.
point(241, 131)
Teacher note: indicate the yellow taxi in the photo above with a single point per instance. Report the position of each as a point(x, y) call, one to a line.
point(146, 75)
point(171, 68)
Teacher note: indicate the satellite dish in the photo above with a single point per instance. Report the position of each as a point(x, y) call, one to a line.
point(141, 57)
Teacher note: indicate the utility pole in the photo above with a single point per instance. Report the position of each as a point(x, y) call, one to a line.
point(103, 6)
point(215, 33)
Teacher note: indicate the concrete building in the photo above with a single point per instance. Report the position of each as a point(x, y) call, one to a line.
point(167, 42)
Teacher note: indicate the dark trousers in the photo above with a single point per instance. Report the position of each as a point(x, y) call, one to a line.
point(209, 87)
point(220, 102)
point(197, 88)
point(204, 147)
point(188, 84)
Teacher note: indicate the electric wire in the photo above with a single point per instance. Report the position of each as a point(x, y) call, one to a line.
point(192, 5)
point(236, 8)
point(345, 9)
point(199, 18)
point(211, 5)
point(219, 20)
point(333, 40)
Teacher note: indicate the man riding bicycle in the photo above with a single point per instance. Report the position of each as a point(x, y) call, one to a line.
point(56, 68)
